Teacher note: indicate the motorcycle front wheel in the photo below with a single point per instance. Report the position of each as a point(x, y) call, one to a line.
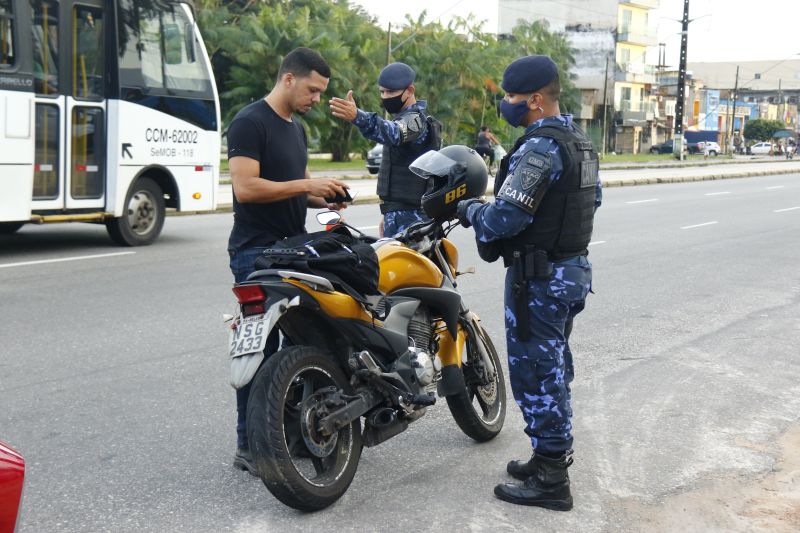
point(299, 466)
point(480, 409)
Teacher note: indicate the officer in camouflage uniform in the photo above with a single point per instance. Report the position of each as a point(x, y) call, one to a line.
point(410, 133)
point(547, 191)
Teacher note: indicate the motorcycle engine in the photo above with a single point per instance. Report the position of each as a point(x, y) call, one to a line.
point(427, 368)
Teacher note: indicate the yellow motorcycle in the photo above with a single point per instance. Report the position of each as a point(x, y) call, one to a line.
point(380, 357)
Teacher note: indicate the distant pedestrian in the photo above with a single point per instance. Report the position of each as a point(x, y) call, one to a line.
point(485, 143)
point(706, 150)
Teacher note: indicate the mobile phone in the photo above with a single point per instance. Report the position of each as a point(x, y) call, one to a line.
point(339, 198)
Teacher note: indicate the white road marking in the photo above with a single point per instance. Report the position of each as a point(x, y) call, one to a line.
point(775, 187)
point(367, 227)
point(643, 201)
point(699, 225)
point(61, 259)
point(597, 242)
point(717, 193)
point(787, 209)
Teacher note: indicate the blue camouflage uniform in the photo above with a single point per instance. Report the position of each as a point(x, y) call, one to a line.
point(389, 132)
point(540, 369)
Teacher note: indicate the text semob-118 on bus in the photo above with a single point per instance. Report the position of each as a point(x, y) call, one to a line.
point(108, 114)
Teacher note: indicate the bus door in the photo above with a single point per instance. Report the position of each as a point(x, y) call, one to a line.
point(69, 81)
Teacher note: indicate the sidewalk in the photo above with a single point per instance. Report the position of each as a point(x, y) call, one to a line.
point(641, 174)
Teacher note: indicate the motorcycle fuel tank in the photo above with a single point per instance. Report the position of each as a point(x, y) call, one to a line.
point(402, 267)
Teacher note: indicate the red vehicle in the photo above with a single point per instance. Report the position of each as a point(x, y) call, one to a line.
point(12, 476)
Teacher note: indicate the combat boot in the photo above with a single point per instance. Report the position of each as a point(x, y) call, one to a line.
point(547, 486)
point(522, 470)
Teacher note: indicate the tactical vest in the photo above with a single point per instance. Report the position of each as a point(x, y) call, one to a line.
point(562, 224)
point(398, 187)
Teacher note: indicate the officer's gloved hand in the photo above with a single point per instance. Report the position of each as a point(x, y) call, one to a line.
point(463, 205)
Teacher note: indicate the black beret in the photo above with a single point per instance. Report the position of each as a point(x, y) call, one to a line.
point(528, 74)
point(396, 76)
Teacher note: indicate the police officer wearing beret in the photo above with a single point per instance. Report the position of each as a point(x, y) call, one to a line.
point(547, 190)
point(410, 133)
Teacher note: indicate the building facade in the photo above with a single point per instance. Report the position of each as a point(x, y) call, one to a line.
point(610, 39)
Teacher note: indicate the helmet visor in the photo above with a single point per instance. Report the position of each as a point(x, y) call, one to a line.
point(431, 164)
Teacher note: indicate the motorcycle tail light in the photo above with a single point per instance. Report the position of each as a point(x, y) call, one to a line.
point(249, 294)
point(251, 298)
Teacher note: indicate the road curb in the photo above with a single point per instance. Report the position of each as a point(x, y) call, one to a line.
point(685, 179)
point(373, 199)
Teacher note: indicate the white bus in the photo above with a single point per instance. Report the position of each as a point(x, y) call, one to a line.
point(108, 114)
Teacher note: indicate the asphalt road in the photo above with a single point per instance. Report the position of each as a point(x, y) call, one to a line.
point(113, 376)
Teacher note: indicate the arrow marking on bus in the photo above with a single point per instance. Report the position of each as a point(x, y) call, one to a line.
point(125, 150)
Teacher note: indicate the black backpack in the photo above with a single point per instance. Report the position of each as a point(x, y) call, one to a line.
point(336, 255)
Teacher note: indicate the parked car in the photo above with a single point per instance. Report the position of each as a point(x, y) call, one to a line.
point(713, 148)
point(664, 148)
point(762, 148)
point(12, 477)
point(374, 157)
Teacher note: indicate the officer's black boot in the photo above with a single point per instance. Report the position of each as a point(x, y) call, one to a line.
point(547, 487)
point(522, 470)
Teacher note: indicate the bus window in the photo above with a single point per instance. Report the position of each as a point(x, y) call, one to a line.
point(45, 46)
point(184, 72)
point(88, 153)
point(157, 50)
point(88, 59)
point(6, 35)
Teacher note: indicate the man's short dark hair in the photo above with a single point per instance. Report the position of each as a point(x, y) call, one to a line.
point(301, 61)
point(552, 90)
point(484, 128)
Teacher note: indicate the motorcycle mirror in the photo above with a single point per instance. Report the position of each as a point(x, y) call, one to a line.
point(328, 217)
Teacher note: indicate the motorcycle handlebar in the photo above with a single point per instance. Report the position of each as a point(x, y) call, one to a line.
point(417, 231)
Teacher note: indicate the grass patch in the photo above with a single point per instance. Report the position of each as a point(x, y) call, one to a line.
point(324, 164)
point(314, 164)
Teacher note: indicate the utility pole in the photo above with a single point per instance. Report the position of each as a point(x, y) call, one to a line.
point(733, 115)
point(389, 44)
point(605, 112)
point(677, 139)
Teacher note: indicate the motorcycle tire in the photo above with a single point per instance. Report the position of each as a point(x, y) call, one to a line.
point(300, 467)
point(480, 410)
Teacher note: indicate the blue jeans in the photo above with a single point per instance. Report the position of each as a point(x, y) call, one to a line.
point(396, 221)
point(242, 265)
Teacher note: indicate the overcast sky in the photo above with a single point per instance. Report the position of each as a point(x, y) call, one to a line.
point(733, 30)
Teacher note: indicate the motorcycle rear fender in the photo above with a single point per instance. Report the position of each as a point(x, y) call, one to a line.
point(244, 367)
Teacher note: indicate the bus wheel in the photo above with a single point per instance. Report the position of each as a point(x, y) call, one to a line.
point(7, 228)
point(143, 218)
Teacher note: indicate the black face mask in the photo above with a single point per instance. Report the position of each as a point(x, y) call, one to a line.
point(393, 104)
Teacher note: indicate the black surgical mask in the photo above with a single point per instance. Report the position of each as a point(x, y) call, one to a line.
point(393, 104)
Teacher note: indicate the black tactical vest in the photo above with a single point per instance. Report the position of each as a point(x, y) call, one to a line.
point(398, 187)
point(563, 221)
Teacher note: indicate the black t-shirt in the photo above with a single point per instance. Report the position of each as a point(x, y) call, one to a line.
point(281, 148)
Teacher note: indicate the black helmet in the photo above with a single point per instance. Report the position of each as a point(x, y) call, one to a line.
point(454, 173)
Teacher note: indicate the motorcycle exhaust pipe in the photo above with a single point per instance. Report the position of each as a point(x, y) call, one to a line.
point(381, 418)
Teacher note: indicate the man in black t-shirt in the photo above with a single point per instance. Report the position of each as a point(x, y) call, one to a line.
point(267, 154)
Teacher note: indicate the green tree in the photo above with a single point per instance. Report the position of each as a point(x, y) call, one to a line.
point(458, 66)
point(761, 129)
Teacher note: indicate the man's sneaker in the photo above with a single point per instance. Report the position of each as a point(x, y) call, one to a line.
point(244, 461)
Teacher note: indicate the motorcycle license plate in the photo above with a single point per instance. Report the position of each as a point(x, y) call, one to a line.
point(249, 336)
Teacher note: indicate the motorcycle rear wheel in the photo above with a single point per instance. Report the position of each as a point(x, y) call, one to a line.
point(480, 410)
point(301, 468)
